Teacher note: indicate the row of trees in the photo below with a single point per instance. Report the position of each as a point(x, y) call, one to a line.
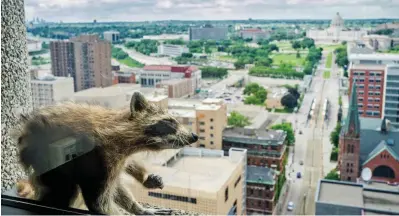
point(341, 58)
point(287, 127)
point(256, 94)
point(144, 46)
point(213, 72)
point(283, 71)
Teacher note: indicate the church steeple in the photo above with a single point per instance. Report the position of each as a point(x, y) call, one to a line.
point(352, 123)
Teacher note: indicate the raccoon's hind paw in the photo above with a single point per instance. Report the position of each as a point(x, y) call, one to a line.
point(157, 212)
point(153, 181)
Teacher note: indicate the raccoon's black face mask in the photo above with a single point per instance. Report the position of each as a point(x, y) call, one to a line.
point(160, 129)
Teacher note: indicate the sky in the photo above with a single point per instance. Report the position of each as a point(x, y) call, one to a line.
point(143, 10)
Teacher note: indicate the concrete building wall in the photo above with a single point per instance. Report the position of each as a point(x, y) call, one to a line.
point(15, 86)
point(208, 33)
point(391, 95)
point(210, 126)
point(111, 36)
point(48, 92)
point(172, 50)
point(331, 209)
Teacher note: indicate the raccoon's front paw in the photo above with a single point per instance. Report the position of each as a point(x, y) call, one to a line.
point(153, 181)
point(157, 212)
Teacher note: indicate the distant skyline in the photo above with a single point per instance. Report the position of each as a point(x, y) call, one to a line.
point(143, 10)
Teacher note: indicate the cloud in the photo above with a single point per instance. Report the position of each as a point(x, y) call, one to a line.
point(139, 10)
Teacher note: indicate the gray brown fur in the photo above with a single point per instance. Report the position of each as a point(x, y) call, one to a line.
point(117, 134)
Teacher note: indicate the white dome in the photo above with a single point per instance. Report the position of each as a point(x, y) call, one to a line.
point(337, 21)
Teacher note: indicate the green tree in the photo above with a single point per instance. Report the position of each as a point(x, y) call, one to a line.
point(334, 135)
point(213, 72)
point(288, 129)
point(256, 94)
point(332, 175)
point(187, 55)
point(239, 64)
point(307, 43)
point(289, 101)
point(238, 120)
point(251, 88)
point(296, 45)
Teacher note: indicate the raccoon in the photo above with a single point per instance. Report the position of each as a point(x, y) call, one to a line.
point(116, 136)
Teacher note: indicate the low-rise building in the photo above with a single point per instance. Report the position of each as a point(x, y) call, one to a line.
point(176, 88)
point(208, 32)
point(112, 36)
point(48, 90)
point(265, 149)
point(124, 77)
point(255, 34)
point(346, 198)
point(154, 74)
point(172, 50)
point(34, 45)
point(198, 180)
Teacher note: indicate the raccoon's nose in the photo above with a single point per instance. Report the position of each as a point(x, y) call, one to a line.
point(194, 138)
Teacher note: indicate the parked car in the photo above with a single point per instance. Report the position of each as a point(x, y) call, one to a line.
point(301, 163)
point(290, 206)
point(300, 132)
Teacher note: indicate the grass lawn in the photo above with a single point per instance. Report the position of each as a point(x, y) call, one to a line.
point(284, 45)
point(130, 62)
point(288, 58)
point(329, 60)
point(226, 58)
point(326, 74)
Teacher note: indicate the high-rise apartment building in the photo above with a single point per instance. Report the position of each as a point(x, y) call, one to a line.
point(47, 90)
point(391, 95)
point(369, 72)
point(86, 58)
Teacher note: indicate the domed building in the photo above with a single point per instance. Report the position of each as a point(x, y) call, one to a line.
point(336, 33)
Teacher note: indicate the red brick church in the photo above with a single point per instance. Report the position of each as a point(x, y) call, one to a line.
point(368, 142)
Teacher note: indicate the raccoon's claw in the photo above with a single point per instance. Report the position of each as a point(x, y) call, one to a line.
point(157, 212)
point(153, 181)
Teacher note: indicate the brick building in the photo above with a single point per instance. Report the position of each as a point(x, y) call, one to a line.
point(370, 73)
point(176, 88)
point(124, 77)
point(266, 149)
point(368, 142)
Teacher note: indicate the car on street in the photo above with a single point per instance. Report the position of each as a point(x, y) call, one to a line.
point(300, 132)
point(290, 206)
point(298, 175)
point(300, 162)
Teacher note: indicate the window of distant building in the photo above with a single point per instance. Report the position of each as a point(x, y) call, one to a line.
point(226, 194)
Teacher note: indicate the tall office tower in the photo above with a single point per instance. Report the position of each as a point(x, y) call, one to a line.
point(86, 58)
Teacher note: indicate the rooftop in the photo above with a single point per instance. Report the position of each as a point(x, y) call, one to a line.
point(366, 197)
point(170, 68)
point(156, 97)
point(261, 175)
point(365, 66)
point(259, 134)
point(50, 79)
point(211, 172)
point(374, 56)
point(185, 113)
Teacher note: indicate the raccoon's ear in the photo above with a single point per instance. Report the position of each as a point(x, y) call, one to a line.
point(138, 103)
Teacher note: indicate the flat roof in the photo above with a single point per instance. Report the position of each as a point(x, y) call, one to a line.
point(185, 113)
point(156, 98)
point(254, 133)
point(208, 107)
point(208, 173)
point(370, 197)
point(369, 67)
point(55, 80)
point(374, 56)
point(341, 194)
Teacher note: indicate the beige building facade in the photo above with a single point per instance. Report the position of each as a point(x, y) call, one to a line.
point(48, 90)
point(198, 180)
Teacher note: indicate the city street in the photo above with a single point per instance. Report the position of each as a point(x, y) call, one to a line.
point(312, 146)
point(144, 59)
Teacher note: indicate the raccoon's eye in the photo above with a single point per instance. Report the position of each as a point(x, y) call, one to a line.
point(162, 128)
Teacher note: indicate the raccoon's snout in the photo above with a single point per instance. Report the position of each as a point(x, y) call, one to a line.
point(194, 138)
